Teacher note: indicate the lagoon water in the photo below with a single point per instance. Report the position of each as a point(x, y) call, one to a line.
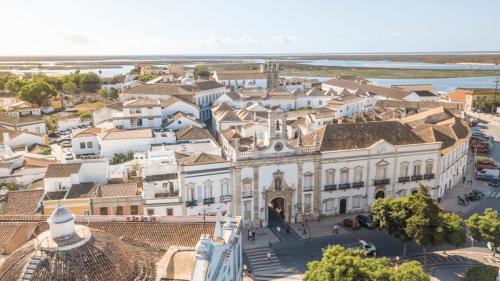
point(400, 64)
point(442, 84)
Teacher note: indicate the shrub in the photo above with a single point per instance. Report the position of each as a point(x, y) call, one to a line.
point(482, 273)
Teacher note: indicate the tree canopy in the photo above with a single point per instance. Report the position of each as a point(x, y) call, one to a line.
point(485, 227)
point(201, 72)
point(147, 77)
point(340, 264)
point(418, 217)
point(37, 92)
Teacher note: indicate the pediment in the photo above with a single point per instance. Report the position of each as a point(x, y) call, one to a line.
point(381, 147)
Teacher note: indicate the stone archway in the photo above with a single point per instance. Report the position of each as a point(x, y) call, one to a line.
point(278, 206)
point(379, 194)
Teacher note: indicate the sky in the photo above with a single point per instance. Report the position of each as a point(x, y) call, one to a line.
point(154, 27)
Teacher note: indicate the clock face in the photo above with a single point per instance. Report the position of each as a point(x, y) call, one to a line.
point(278, 146)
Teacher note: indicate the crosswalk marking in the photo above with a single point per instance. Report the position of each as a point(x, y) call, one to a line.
point(264, 268)
point(495, 194)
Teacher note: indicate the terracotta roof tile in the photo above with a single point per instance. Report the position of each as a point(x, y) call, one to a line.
point(117, 190)
point(62, 170)
point(193, 133)
point(21, 202)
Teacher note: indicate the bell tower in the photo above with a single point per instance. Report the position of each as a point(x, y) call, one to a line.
point(276, 122)
point(271, 69)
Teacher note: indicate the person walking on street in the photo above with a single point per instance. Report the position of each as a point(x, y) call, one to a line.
point(336, 228)
point(278, 229)
point(269, 256)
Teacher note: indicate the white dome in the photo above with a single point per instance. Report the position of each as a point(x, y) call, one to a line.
point(61, 222)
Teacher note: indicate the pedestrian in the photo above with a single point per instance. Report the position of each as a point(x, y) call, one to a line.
point(270, 245)
point(278, 229)
point(336, 228)
point(269, 256)
point(288, 229)
point(304, 232)
point(253, 235)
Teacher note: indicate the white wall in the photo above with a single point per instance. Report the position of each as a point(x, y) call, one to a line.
point(180, 106)
point(76, 145)
point(68, 123)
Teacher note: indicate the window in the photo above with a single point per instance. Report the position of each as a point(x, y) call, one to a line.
point(358, 174)
point(103, 211)
point(170, 212)
point(82, 145)
point(308, 102)
point(330, 177)
point(119, 211)
point(151, 212)
point(134, 210)
point(356, 202)
point(307, 203)
point(208, 189)
point(381, 170)
point(320, 102)
point(416, 169)
point(89, 144)
point(404, 169)
point(344, 175)
point(190, 194)
point(329, 205)
point(86, 212)
point(429, 167)
point(224, 186)
point(308, 181)
point(247, 185)
point(247, 209)
point(179, 122)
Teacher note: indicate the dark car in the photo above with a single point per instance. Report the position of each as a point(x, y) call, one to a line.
point(351, 223)
point(365, 221)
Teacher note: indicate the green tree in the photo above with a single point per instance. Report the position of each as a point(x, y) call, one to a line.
point(15, 84)
point(201, 72)
point(390, 215)
point(90, 82)
point(340, 264)
point(86, 115)
point(424, 225)
point(454, 229)
point(485, 227)
point(37, 92)
point(147, 77)
point(69, 87)
point(410, 271)
point(4, 77)
point(113, 94)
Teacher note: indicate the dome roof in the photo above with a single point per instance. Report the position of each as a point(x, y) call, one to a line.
point(104, 256)
point(61, 215)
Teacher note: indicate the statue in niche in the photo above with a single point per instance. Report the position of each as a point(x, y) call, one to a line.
point(278, 125)
point(277, 184)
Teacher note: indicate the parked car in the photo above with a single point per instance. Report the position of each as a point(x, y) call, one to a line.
point(490, 247)
point(365, 221)
point(66, 144)
point(494, 183)
point(353, 224)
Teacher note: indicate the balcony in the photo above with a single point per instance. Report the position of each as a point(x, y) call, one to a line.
point(358, 184)
point(330, 187)
point(308, 188)
point(344, 186)
point(247, 194)
point(416, 178)
point(381, 181)
point(429, 176)
point(404, 179)
point(208, 201)
point(225, 198)
point(191, 203)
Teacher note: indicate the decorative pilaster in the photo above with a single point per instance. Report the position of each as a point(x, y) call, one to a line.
point(256, 197)
point(299, 190)
point(237, 193)
point(317, 187)
point(183, 192)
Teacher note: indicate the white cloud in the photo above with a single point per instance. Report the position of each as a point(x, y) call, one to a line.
point(74, 38)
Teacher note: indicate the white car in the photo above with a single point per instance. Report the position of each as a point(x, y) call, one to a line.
point(490, 247)
point(362, 245)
